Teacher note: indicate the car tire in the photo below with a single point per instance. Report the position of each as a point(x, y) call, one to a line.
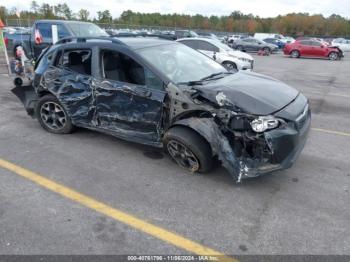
point(333, 56)
point(267, 50)
point(230, 66)
point(294, 54)
point(52, 116)
point(188, 149)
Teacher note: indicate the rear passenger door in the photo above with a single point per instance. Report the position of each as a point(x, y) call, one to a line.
point(69, 79)
point(305, 48)
point(129, 98)
point(248, 44)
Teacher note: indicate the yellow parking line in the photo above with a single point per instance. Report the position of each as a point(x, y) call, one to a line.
point(331, 132)
point(123, 217)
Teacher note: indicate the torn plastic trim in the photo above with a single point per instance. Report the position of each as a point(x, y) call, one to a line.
point(28, 97)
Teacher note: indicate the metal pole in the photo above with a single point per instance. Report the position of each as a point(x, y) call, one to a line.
point(5, 51)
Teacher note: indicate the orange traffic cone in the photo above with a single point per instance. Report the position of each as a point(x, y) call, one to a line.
point(1, 24)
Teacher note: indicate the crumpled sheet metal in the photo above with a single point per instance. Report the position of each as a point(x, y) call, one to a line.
point(73, 91)
point(220, 145)
point(114, 107)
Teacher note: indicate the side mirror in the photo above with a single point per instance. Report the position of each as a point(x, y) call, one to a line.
point(322, 46)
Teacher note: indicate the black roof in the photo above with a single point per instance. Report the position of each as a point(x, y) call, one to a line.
point(130, 42)
point(57, 21)
point(142, 42)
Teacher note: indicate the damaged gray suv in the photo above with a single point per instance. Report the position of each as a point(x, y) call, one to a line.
point(165, 94)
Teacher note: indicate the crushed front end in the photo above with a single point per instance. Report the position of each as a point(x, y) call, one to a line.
point(258, 153)
point(246, 153)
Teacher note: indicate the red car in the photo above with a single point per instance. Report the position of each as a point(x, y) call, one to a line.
point(312, 48)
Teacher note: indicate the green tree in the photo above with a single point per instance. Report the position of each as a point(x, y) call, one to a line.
point(83, 15)
point(104, 17)
point(34, 6)
point(46, 11)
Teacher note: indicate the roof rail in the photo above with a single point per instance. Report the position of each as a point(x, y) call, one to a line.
point(160, 36)
point(84, 39)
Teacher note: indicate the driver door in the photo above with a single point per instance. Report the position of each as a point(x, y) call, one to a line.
point(129, 98)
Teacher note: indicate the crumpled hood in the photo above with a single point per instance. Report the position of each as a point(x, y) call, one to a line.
point(251, 92)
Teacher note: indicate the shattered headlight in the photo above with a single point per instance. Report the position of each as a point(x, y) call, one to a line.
point(263, 123)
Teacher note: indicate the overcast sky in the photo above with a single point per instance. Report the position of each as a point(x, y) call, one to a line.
point(263, 8)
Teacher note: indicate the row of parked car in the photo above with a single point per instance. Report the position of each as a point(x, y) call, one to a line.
point(40, 36)
point(231, 52)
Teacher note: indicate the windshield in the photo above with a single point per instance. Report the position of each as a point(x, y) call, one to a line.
point(180, 63)
point(87, 30)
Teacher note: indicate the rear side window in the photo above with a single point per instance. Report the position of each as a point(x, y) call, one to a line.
point(305, 42)
point(202, 45)
point(77, 60)
point(315, 43)
point(45, 30)
point(191, 43)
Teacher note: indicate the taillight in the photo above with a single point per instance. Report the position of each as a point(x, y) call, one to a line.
point(6, 40)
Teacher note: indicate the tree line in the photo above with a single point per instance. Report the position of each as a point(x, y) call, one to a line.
point(294, 24)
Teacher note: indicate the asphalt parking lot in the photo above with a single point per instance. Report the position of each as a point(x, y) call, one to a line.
point(303, 210)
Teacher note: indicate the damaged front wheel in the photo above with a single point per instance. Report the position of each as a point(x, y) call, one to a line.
point(188, 149)
point(52, 116)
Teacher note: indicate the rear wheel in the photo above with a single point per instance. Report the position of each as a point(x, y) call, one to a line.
point(52, 116)
point(295, 54)
point(333, 56)
point(188, 149)
point(230, 66)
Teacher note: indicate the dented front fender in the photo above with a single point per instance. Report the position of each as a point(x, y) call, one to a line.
point(218, 142)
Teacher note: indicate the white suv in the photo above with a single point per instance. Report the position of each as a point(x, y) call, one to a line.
point(221, 53)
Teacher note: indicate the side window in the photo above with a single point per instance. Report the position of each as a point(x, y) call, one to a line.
point(190, 43)
point(179, 34)
point(77, 60)
point(202, 45)
point(119, 67)
point(305, 42)
point(62, 31)
point(315, 43)
point(45, 30)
